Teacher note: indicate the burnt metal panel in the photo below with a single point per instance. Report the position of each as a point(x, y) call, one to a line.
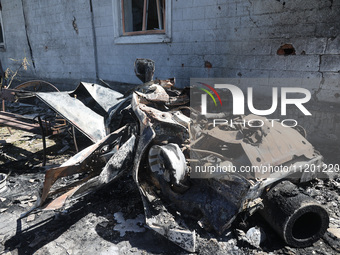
point(83, 118)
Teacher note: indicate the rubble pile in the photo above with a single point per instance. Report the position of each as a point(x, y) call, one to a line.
point(138, 162)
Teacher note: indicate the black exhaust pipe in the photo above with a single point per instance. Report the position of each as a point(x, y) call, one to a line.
point(296, 217)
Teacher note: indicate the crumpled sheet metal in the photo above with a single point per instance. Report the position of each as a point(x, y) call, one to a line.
point(218, 209)
point(174, 118)
point(218, 200)
point(157, 216)
point(80, 163)
point(83, 118)
point(278, 146)
point(85, 108)
point(274, 146)
point(158, 94)
point(107, 98)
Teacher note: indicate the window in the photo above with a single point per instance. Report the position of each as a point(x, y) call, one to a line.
point(2, 40)
point(142, 21)
point(143, 17)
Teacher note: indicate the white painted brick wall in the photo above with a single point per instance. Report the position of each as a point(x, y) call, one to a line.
point(239, 38)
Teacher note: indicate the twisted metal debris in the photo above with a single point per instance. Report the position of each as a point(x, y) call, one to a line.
point(151, 134)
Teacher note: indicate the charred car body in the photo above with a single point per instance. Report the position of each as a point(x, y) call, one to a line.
point(151, 133)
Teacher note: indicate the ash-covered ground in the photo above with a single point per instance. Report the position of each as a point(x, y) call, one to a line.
point(111, 220)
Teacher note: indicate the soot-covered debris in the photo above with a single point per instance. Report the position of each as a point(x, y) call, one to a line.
point(136, 157)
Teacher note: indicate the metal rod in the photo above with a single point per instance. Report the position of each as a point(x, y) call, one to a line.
point(43, 139)
point(144, 16)
point(75, 139)
point(160, 20)
point(4, 110)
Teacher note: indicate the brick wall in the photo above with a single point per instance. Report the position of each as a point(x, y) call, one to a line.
point(215, 38)
point(14, 35)
point(58, 39)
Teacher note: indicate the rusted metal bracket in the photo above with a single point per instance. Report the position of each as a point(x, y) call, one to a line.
point(17, 121)
point(20, 122)
point(27, 124)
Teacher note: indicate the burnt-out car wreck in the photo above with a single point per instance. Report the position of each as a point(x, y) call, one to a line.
point(150, 134)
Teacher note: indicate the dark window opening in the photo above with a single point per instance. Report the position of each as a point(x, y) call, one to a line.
point(143, 16)
point(1, 35)
point(2, 41)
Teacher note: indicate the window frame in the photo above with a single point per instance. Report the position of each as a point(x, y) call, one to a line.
point(2, 44)
point(147, 36)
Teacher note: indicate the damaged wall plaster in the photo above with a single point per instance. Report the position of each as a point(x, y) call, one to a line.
point(56, 37)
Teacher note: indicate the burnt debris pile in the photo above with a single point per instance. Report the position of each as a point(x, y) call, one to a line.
point(187, 171)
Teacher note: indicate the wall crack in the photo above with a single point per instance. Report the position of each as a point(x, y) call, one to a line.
point(95, 51)
point(27, 36)
point(322, 82)
point(74, 24)
point(249, 13)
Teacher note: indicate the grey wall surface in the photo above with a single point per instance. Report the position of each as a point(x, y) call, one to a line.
point(215, 38)
point(54, 35)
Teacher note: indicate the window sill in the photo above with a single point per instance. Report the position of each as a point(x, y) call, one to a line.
point(139, 39)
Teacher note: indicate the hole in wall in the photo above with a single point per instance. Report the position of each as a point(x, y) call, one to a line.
point(207, 64)
point(286, 49)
